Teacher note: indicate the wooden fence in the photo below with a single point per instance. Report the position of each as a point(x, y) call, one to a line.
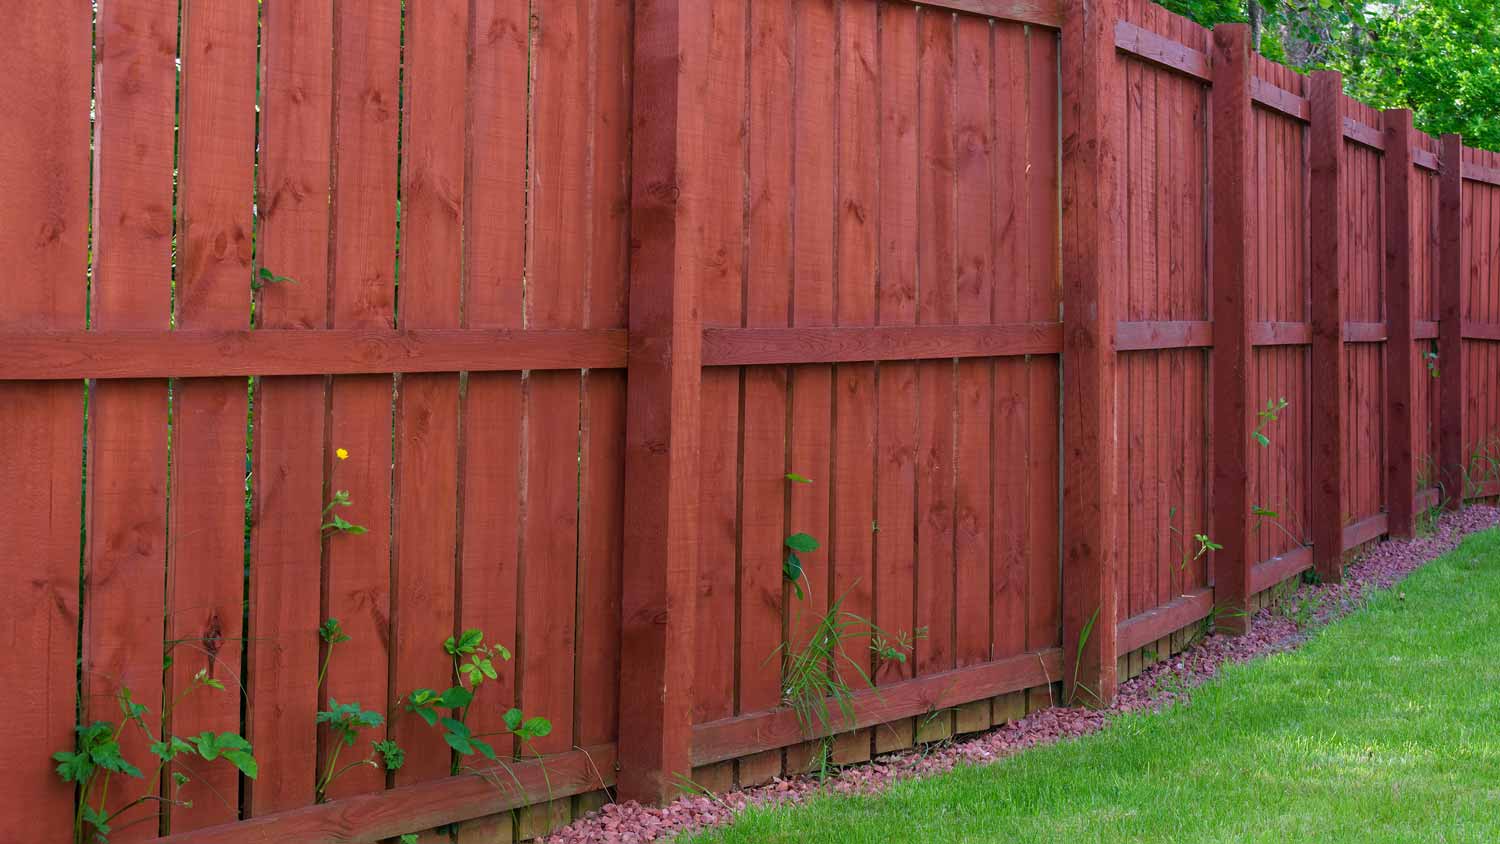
point(574, 286)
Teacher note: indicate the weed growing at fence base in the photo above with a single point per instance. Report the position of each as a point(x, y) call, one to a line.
point(1383, 728)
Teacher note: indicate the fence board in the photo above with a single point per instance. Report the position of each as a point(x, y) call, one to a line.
point(851, 553)
point(357, 592)
point(205, 554)
point(976, 289)
point(810, 393)
point(426, 429)
point(289, 450)
point(133, 230)
point(44, 163)
point(936, 304)
point(723, 233)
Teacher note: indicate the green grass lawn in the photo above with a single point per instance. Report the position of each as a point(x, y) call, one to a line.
point(1385, 727)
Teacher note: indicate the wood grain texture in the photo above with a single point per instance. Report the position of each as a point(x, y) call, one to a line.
point(1400, 364)
point(44, 164)
point(425, 519)
point(1164, 52)
point(357, 574)
point(844, 344)
point(1268, 573)
point(1235, 271)
point(1329, 370)
point(779, 727)
point(1276, 98)
point(1141, 630)
point(1450, 295)
point(1093, 196)
point(44, 355)
point(289, 450)
point(369, 818)
point(896, 437)
point(1475, 172)
point(1363, 133)
point(125, 557)
point(1048, 13)
point(205, 558)
point(1163, 334)
point(664, 394)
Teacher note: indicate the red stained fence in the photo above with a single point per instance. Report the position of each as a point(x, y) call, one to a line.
point(576, 284)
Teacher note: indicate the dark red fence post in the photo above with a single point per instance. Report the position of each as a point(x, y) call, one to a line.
point(1234, 239)
point(1450, 321)
point(1329, 376)
point(659, 579)
point(1400, 359)
point(1093, 255)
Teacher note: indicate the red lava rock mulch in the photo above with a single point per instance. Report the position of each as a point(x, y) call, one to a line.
point(1271, 631)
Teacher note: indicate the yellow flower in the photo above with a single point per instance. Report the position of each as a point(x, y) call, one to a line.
point(343, 453)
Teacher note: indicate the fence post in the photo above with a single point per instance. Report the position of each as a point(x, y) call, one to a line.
point(1328, 363)
point(1400, 359)
point(662, 416)
point(1234, 239)
point(1093, 253)
point(1450, 321)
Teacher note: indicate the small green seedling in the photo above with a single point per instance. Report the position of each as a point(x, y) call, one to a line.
point(791, 566)
point(895, 650)
point(1271, 413)
point(264, 277)
point(338, 523)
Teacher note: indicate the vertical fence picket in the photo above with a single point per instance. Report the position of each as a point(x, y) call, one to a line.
point(44, 164)
point(763, 527)
point(357, 580)
point(723, 232)
point(426, 516)
point(127, 473)
point(556, 298)
point(851, 552)
point(287, 477)
point(896, 398)
point(205, 558)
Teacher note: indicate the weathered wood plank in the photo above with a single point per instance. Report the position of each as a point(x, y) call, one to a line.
point(1450, 322)
point(369, 818)
point(755, 731)
point(1141, 630)
point(1400, 363)
point(1266, 93)
point(848, 344)
point(1093, 134)
point(1234, 268)
point(1159, 50)
point(1329, 376)
point(45, 355)
point(44, 232)
point(663, 403)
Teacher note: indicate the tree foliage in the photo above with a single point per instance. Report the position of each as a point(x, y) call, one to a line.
point(1439, 58)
